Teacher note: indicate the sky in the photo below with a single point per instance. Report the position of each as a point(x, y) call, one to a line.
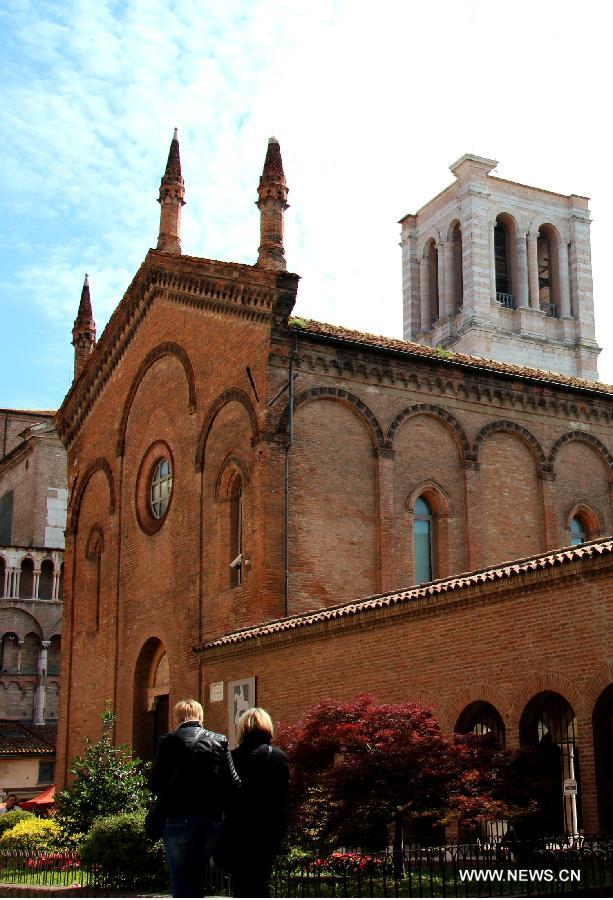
point(371, 103)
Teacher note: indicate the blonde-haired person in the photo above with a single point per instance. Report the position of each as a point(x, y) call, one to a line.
point(194, 778)
point(256, 821)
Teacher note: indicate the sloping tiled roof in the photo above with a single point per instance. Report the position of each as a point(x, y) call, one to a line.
point(482, 576)
point(348, 335)
point(19, 738)
point(29, 412)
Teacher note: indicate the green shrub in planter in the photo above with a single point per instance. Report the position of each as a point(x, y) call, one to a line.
point(10, 819)
point(31, 835)
point(119, 845)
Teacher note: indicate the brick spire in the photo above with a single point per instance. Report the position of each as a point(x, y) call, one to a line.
point(272, 197)
point(172, 192)
point(84, 330)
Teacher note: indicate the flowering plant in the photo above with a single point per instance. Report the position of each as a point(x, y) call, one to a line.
point(350, 863)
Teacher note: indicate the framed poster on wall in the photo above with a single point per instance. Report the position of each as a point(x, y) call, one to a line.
point(241, 697)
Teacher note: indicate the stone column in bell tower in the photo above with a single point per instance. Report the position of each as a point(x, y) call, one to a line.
point(473, 197)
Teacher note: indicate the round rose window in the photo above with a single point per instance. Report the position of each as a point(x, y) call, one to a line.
point(154, 487)
point(161, 488)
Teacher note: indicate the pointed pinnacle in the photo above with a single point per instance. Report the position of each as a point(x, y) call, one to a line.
point(85, 305)
point(273, 164)
point(173, 165)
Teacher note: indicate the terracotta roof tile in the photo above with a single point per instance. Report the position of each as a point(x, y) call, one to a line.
point(395, 345)
point(19, 738)
point(414, 595)
point(29, 412)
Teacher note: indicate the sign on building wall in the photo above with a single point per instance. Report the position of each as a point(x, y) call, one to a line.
point(216, 692)
point(241, 697)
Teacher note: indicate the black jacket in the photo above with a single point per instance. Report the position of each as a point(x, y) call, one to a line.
point(193, 773)
point(257, 818)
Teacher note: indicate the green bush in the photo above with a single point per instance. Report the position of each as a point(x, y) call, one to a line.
point(106, 780)
point(120, 846)
point(31, 835)
point(10, 819)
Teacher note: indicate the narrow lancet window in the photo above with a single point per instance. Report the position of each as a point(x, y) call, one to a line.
point(422, 541)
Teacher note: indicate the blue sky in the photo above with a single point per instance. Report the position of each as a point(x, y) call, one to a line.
point(371, 103)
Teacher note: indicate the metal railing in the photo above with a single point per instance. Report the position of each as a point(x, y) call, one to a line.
point(573, 866)
point(505, 300)
point(549, 309)
point(51, 868)
point(519, 868)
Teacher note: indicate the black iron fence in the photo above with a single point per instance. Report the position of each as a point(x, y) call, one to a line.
point(50, 869)
point(572, 866)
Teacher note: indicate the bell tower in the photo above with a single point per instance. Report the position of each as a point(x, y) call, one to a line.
point(501, 270)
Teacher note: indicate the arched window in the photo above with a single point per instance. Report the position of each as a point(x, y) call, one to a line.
point(6, 519)
point(582, 524)
point(45, 584)
point(423, 541)
point(53, 656)
point(93, 555)
point(548, 724)
point(29, 654)
point(602, 727)
point(503, 256)
point(458, 280)
point(547, 260)
point(10, 652)
point(236, 530)
point(435, 309)
point(51, 701)
point(26, 580)
point(2, 575)
point(482, 718)
point(578, 531)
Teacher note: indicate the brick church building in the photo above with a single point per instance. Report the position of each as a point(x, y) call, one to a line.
point(269, 509)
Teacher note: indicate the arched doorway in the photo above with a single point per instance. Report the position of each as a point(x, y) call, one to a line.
point(548, 724)
point(602, 726)
point(482, 719)
point(151, 686)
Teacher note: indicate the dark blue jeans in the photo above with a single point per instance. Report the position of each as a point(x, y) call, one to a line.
point(189, 842)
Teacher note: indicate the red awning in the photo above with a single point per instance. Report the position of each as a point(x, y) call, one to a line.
point(47, 798)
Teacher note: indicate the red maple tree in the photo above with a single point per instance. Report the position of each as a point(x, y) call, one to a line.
point(358, 767)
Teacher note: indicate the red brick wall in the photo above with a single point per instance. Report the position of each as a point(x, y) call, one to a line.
point(333, 518)
point(502, 642)
point(159, 585)
point(427, 462)
point(350, 531)
point(511, 510)
point(582, 478)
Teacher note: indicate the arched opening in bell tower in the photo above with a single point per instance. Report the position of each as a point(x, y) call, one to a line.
point(547, 261)
point(458, 274)
point(504, 258)
point(432, 257)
